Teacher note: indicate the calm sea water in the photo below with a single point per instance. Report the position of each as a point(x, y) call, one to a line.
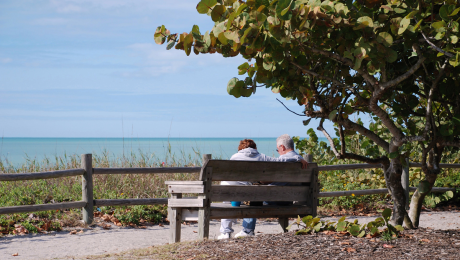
point(15, 151)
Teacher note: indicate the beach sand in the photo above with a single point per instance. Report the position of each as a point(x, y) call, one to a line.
point(96, 240)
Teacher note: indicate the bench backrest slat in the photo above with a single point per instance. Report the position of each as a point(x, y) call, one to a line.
point(226, 170)
point(259, 193)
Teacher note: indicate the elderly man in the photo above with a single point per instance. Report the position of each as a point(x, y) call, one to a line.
point(285, 147)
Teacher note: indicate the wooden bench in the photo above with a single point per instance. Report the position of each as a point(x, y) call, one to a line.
point(202, 210)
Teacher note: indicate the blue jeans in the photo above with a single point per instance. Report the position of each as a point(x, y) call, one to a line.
point(249, 224)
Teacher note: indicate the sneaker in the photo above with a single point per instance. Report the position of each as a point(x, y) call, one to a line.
point(225, 236)
point(244, 234)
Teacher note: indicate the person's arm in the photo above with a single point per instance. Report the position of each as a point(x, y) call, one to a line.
point(304, 164)
point(301, 160)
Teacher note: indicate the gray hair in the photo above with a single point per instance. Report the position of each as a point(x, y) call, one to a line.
point(285, 140)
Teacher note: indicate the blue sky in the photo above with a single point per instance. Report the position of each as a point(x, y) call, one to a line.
point(90, 68)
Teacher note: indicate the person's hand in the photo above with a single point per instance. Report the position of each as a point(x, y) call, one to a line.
point(304, 164)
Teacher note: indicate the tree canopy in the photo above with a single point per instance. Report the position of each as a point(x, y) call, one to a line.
point(395, 61)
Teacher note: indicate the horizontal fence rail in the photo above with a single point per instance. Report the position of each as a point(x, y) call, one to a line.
point(127, 202)
point(374, 191)
point(146, 170)
point(87, 197)
point(339, 167)
point(42, 207)
point(41, 175)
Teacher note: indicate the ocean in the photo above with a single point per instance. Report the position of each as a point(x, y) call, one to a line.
point(16, 151)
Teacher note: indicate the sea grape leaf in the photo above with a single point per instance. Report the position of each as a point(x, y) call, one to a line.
point(204, 6)
point(217, 12)
point(234, 87)
point(386, 214)
point(385, 38)
point(403, 25)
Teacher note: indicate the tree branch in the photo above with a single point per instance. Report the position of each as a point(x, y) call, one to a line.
point(369, 79)
point(289, 109)
point(350, 125)
point(316, 74)
point(381, 160)
point(450, 55)
point(383, 87)
point(342, 140)
point(451, 143)
point(429, 108)
point(331, 142)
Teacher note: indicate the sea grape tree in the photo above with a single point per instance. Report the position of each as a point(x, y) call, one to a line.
point(395, 61)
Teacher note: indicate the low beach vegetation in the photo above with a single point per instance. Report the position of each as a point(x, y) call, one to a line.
point(123, 186)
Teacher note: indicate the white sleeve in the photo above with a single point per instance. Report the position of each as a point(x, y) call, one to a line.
point(280, 159)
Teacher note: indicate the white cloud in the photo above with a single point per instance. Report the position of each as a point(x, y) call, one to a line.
point(50, 21)
point(156, 60)
point(6, 60)
point(70, 8)
point(75, 114)
point(77, 6)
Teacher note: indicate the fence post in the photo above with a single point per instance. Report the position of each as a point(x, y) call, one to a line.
point(87, 188)
point(405, 182)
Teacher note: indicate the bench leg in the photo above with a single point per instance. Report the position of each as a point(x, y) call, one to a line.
point(175, 220)
point(284, 222)
point(203, 223)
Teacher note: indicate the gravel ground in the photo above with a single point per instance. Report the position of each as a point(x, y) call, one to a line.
point(97, 241)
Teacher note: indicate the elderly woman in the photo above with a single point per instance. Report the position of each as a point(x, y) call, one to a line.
point(247, 151)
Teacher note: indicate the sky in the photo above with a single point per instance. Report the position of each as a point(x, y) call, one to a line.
point(91, 68)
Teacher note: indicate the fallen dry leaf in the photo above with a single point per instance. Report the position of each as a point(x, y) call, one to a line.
point(81, 231)
point(119, 224)
point(195, 231)
point(161, 225)
point(106, 217)
point(73, 232)
point(15, 254)
point(425, 240)
point(388, 246)
point(345, 243)
point(143, 227)
point(349, 249)
point(106, 226)
point(328, 232)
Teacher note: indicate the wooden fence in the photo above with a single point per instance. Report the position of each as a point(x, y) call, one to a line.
point(88, 202)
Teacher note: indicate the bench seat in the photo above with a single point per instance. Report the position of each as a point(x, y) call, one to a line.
point(226, 210)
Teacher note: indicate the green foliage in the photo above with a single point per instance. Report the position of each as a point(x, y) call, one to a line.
point(342, 59)
point(311, 225)
point(370, 179)
point(134, 214)
point(105, 186)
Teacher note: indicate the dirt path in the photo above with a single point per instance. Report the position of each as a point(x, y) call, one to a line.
point(99, 241)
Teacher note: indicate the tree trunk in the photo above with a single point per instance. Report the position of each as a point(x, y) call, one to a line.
point(417, 200)
point(393, 179)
